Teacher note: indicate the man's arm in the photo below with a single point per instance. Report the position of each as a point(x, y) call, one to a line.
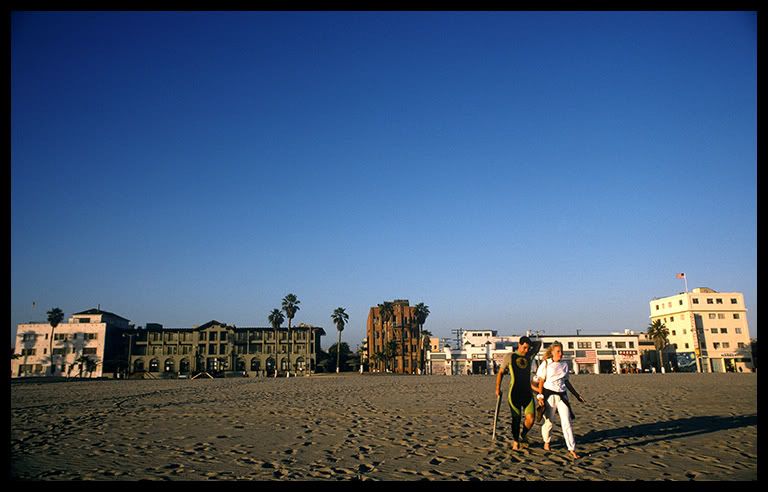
point(535, 346)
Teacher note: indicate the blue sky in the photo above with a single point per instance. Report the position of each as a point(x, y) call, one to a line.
point(512, 170)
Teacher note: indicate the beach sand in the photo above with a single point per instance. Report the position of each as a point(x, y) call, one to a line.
point(380, 427)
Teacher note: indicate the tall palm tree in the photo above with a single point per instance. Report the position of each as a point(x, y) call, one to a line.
point(424, 347)
point(386, 313)
point(340, 318)
point(276, 319)
point(658, 332)
point(421, 312)
point(55, 316)
point(290, 306)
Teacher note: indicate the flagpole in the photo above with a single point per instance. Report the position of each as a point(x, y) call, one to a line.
point(686, 283)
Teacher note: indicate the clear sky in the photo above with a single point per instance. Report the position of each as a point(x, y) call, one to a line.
point(512, 170)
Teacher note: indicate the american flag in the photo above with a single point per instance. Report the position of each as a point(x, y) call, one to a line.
point(680, 275)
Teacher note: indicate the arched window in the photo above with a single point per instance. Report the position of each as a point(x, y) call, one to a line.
point(270, 364)
point(283, 364)
point(138, 365)
point(240, 364)
point(169, 365)
point(300, 364)
point(255, 364)
point(184, 366)
point(154, 365)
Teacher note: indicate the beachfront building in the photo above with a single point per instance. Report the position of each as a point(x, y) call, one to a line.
point(708, 330)
point(483, 351)
point(92, 334)
point(216, 347)
point(393, 339)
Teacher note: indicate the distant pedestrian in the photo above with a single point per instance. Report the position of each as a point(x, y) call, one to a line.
point(552, 382)
point(519, 396)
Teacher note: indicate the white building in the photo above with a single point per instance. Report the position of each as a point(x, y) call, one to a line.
point(93, 333)
point(483, 351)
point(708, 330)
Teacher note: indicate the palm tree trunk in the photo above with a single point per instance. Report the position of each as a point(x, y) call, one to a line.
point(277, 360)
point(289, 349)
point(50, 351)
point(338, 352)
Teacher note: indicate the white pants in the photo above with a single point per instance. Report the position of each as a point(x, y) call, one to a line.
point(555, 402)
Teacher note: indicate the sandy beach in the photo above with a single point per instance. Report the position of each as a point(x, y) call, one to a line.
point(377, 427)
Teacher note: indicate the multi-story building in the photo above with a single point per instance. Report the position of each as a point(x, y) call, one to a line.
point(483, 351)
point(393, 344)
point(94, 334)
point(708, 330)
point(214, 347)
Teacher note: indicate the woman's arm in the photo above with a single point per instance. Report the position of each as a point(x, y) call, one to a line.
point(573, 390)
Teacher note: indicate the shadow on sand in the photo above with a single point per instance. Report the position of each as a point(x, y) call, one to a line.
point(665, 431)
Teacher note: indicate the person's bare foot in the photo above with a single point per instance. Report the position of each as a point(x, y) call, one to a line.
point(546, 446)
point(573, 455)
point(515, 445)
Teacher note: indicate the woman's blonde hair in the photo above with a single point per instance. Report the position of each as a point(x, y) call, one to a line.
point(548, 352)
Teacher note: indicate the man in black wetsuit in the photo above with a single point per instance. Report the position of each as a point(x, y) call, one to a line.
point(520, 395)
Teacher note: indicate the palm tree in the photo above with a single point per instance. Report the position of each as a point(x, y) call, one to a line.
point(386, 313)
point(421, 312)
point(81, 360)
point(425, 346)
point(340, 319)
point(276, 319)
point(290, 306)
point(658, 332)
point(390, 350)
point(90, 366)
point(55, 316)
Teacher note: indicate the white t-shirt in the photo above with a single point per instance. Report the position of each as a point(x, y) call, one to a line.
point(555, 374)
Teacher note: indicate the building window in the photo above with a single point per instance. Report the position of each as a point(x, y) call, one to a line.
point(609, 344)
point(720, 315)
point(695, 300)
point(726, 345)
point(713, 330)
point(686, 345)
point(598, 345)
point(741, 345)
point(657, 307)
point(212, 337)
point(716, 345)
point(680, 302)
point(583, 345)
point(719, 300)
point(673, 333)
point(723, 330)
point(736, 316)
point(733, 301)
point(570, 345)
point(89, 351)
point(211, 349)
point(738, 331)
point(712, 316)
point(223, 336)
point(60, 351)
point(30, 351)
point(631, 344)
point(710, 301)
point(671, 318)
point(621, 345)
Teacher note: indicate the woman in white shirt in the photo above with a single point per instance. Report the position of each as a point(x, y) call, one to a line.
point(552, 379)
